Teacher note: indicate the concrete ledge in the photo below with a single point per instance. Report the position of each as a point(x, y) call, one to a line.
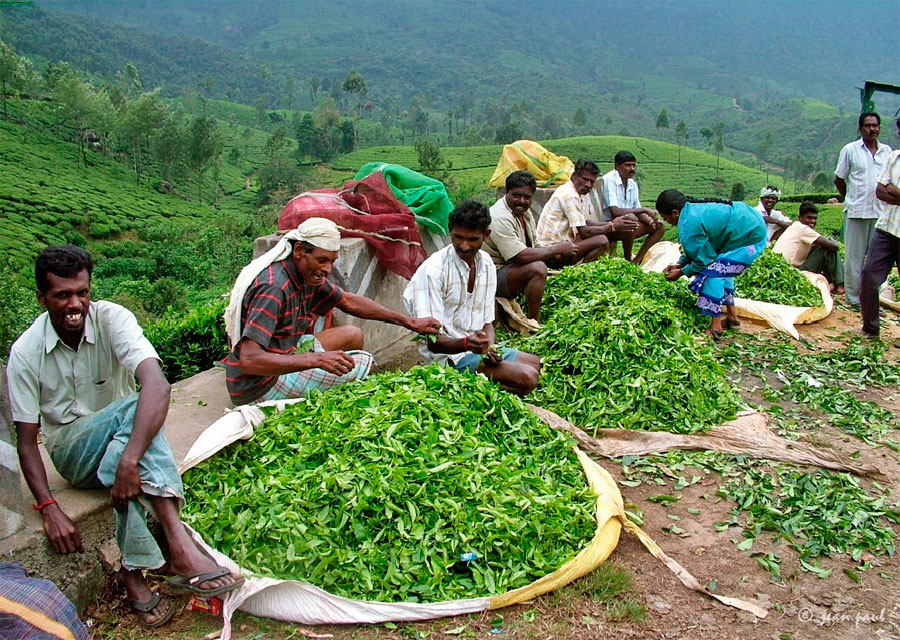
point(196, 403)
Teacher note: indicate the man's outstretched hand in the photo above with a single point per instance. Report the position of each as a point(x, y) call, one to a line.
point(424, 325)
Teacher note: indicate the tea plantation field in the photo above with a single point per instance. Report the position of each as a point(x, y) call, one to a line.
point(658, 166)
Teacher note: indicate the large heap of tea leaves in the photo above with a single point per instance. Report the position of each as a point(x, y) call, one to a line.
point(622, 349)
point(771, 278)
point(376, 489)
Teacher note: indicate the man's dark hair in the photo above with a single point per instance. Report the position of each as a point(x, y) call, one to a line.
point(898, 122)
point(868, 114)
point(586, 166)
point(808, 207)
point(62, 260)
point(470, 214)
point(520, 179)
point(624, 156)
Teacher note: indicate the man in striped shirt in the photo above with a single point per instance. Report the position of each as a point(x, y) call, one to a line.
point(279, 313)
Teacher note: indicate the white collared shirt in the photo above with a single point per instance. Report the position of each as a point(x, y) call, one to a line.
point(771, 227)
point(438, 289)
point(51, 383)
point(861, 171)
point(616, 194)
point(889, 222)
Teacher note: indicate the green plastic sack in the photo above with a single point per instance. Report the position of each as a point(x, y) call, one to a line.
point(426, 197)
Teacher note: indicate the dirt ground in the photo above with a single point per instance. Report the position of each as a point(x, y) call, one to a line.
point(802, 607)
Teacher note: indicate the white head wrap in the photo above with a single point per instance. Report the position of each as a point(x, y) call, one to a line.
point(319, 232)
point(769, 191)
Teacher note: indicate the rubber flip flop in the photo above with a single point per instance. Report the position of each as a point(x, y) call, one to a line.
point(731, 324)
point(181, 584)
point(150, 605)
point(715, 335)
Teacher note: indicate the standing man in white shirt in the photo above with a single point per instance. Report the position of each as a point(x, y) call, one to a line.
point(859, 167)
point(564, 218)
point(456, 285)
point(884, 254)
point(776, 222)
point(621, 199)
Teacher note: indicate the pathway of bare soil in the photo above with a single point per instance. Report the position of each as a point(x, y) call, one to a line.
point(635, 596)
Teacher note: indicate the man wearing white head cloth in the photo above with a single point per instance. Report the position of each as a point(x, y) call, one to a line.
point(272, 314)
point(776, 222)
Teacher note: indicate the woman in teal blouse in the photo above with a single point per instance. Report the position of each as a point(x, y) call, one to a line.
point(719, 240)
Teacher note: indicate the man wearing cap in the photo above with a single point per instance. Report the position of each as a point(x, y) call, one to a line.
point(776, 222)
point(859, 167)
point(621, 198)
point(275, 304)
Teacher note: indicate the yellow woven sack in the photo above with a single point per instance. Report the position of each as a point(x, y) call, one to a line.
point(549, 169)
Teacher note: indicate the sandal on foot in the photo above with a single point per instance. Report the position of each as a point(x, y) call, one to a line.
point(181, 584)
point(731, 324)
point(715, 335)
point(144, 608)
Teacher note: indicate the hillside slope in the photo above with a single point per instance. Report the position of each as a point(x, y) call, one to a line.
point(658, 165)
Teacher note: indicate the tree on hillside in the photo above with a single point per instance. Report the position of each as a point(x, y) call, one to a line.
point(707, 134)
point(169, 147)
point(719, 142)
point(129, 81)
point(738, 190)
point(355, 85)
point(276, 142)
point(204, 142)
point(580, 118)
point(662, 120)
point(681, 135)
point(327, 119)
point(822, 182)
point(77, 100)
point(15, 74)
point(510, 132)
point(306, 136)
point(139, 119)
point(765, 145)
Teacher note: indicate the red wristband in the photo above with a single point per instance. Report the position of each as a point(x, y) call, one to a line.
point(46, 503)
point(465, 343)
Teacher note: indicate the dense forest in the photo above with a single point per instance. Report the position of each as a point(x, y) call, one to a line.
point(472, 73)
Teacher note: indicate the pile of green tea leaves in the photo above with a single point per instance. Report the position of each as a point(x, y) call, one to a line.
point(621, 349)
point(374, 490)
point(771, 278)
point(817, 512)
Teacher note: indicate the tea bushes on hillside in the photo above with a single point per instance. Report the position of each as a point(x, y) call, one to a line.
point(374, 489)
point(189, 343)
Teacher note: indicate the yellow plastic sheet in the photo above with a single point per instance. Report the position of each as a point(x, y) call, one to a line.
point(549, 169)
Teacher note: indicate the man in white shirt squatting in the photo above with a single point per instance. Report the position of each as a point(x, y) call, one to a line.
point(621, 199)
point(776, 222)
point(456, 286)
